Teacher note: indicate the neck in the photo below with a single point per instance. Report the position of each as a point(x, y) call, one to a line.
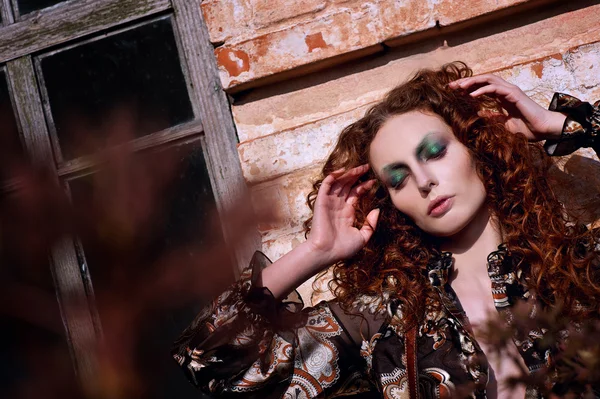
point(471, 246)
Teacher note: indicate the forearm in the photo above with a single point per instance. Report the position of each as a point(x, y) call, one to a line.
point(291, 270)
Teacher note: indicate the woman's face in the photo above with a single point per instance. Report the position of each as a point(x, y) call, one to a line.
point(429, 174)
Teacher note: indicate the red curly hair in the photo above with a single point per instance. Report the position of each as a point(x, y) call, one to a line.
point(558, 261)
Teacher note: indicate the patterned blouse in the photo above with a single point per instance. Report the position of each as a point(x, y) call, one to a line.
point(247, 342)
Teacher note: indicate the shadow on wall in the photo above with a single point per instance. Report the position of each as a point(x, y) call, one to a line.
point(577, 186)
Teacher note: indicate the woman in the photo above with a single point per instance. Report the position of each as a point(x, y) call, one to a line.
point(425, 201)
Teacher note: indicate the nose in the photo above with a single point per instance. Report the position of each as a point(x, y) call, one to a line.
point(425, 179)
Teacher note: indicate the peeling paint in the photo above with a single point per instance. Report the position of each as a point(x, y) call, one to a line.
point(557, 56)
point(315, 41)
point(292, 44)
point(293, 149)
point(538, 68)
point(234, 61)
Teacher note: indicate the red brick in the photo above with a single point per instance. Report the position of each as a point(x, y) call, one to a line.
point(401, 18)
point(227, 18)
point(269, 12)
point(311, 98)
point(281, 35)
point(448, 12)
point(285, 197)
point(274, 155)
point(298, 45)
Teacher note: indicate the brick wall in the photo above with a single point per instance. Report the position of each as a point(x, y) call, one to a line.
point(299, 71)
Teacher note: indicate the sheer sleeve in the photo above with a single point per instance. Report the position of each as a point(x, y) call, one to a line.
point(581, 127)
point(247, 342)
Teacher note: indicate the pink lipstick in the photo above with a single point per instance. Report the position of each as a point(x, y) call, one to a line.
point(440, 206)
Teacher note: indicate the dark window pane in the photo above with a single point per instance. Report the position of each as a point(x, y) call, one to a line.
point(27, 6)
point(117, 88)
point(150, 234)
point(34, 350)
point(11, 151)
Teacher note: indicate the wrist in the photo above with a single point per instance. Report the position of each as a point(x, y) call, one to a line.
point(556, 122)
point(291, 270)
point(314, 254)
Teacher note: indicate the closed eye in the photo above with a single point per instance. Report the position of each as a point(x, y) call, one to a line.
point(437, 155)
point(396, 176)
point(433, 150)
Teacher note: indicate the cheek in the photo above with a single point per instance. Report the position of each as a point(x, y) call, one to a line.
point(458, 172)
point(407, 203)
point(479, 194)
point(473, 182)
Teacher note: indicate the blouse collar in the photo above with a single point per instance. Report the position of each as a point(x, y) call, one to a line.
point(441, 264)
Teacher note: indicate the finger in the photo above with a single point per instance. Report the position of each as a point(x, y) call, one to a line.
point(345, 182)
point(476, 82)
point(329, 180)
point(487, 78)
point(370, 224)
point(351, 181)
point(359, 190)
point(491, 89)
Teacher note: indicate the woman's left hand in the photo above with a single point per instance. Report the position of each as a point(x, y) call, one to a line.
point(524, 115)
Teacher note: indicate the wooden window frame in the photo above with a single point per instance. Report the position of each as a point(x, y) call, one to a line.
point(23, 38)
point(67, 167)
point(6, 13)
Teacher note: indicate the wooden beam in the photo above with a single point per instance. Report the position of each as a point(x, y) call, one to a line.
point(15, 9)
point(75, 310)
point(210, 100)
point(55, 25)
point(6, 12)
point(65, 266)
point(29, 111)
point(83, 164)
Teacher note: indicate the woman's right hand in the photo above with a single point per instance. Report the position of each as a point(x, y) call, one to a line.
point(333, 235)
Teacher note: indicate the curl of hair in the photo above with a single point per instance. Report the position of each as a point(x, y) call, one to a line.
point(559, 262)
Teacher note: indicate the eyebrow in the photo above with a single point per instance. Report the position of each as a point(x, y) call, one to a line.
point(395, 165)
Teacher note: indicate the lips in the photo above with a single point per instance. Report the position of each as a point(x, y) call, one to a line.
point(440, 205)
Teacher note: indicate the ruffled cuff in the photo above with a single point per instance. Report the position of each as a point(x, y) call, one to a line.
point(235, 330)
point(284, 314)
point(581, 127)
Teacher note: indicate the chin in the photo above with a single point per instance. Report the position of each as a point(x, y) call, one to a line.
point(446, 226)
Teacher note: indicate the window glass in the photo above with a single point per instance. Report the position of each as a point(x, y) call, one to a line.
point(149, 230)
point(117, 88)
point(27, 6)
